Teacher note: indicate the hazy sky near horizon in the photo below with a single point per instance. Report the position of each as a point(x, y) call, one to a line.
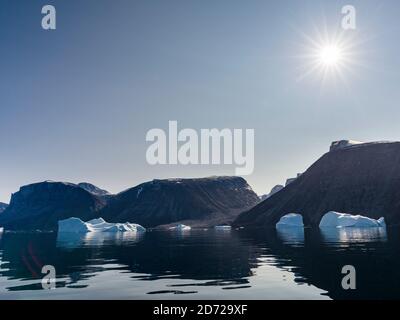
point(76, 103)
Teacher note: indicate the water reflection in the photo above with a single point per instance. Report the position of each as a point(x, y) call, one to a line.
point(260, 264)
point(97, 239)
point(353, 235)
point(291, 235)
point(154, 256)
point(179, 233)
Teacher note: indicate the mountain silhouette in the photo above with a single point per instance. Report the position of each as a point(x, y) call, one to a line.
point(356, 179)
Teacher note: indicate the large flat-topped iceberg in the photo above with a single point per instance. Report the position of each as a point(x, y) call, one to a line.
point(291, 220)
point(76, 225)
point(334, 219)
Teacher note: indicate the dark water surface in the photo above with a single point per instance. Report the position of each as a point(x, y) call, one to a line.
point(202, 264)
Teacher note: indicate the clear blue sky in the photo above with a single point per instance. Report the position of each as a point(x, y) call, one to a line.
point(76, 103)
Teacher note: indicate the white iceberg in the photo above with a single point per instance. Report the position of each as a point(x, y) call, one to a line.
point(223, 227)
point(76, 225)
point(73, 225)
point(382, 222)
point(291, 220)
point(334, 219)
point(1, 229)
point(180, 227)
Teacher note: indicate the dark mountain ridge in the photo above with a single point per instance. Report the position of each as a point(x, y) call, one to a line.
point(41, 205)
point(204, 201)
point(357, 179)
point(93, 189)
point(101, 193)
point(210, 201)
point(3, 206)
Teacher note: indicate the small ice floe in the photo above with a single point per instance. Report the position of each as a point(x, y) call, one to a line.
point(1, 229)
point(180, 227)
point(334, 219)
point(223, 227)
point(76, 225)
point(291, 220)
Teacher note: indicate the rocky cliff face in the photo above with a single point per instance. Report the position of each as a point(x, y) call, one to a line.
point(93, 189)
point(274, 190)
point(101, 193)
point(41, 205)
point(199, 202)
point(356, 179)
point(3, 206)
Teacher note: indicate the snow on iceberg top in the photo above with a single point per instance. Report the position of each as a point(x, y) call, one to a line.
point(291, 220)
point(97, 221)
point(334, 219)
point(76, 225)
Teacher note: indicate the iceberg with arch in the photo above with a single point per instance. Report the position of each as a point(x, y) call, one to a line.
point(291, 220)
point(76, 225)
point(333, 219)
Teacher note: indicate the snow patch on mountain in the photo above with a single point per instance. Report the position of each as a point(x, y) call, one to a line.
point(93, 189)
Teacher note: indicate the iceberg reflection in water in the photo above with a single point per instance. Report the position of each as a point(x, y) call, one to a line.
point(291, 235)
point(179, 233)
point(353, 235)
point(287, 263)
point(97, 239)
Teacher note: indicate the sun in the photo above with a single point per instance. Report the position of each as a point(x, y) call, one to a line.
point(330, 55)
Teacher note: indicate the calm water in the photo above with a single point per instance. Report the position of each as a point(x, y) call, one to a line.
point(202, 264)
